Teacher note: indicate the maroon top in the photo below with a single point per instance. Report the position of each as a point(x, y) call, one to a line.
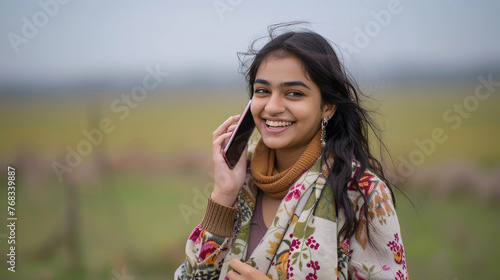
point(257, 226)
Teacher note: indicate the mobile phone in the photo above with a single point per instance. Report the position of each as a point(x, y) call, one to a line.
point(239, 139)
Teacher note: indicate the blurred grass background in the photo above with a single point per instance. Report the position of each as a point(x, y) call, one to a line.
point(128, 208)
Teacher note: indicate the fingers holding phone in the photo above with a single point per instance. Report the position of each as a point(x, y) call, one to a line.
point(224, 128)
point(229, 150)
point(229, 131)
point(227, 182)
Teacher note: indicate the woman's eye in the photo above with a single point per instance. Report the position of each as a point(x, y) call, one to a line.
point(295, 93)
point(260, 90)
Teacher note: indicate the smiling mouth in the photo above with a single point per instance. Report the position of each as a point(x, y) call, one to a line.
point(277, 124)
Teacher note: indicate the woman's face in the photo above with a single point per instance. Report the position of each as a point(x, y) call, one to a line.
point(286, 104)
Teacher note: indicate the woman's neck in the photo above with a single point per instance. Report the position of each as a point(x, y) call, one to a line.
point(284, 159)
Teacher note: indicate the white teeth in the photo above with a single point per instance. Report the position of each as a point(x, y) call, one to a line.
point(277, 124)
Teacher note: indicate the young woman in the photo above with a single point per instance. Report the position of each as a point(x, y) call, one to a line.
point(309, 201)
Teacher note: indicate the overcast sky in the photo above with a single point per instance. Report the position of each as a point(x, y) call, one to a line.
point(59, 40)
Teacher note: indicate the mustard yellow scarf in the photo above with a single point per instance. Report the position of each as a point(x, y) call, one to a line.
point(276, 184)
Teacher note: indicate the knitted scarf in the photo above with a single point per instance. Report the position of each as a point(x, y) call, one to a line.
point(276, 184)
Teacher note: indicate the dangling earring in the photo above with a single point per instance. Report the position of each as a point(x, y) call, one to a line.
point(324, 123)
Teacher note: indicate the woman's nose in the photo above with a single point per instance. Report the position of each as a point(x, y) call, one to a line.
point(275, 105)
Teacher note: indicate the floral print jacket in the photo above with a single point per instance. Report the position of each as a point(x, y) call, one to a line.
point(302, 242)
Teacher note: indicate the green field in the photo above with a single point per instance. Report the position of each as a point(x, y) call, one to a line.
point(121, 209)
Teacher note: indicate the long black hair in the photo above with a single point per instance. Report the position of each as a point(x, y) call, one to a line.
point(347, 131)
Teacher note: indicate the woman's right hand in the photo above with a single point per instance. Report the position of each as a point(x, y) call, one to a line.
point(228, 182)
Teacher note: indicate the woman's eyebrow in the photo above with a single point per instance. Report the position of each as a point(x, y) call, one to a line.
point(294, 83)
point(283, 84)
point(261, 81)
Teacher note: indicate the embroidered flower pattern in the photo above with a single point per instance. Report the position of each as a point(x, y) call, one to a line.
point(195, 235)
point(295, 245)
point(315, 266)
point(380, 206)
point(302, 252)
point(289, 270)
point(399, 255)
point(400, 276)
point(311, 243)
point(398, 250)
point(281, 265)
point(208, 249)
point(294, 192)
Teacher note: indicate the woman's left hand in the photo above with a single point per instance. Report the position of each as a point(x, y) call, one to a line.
point(244, 271)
